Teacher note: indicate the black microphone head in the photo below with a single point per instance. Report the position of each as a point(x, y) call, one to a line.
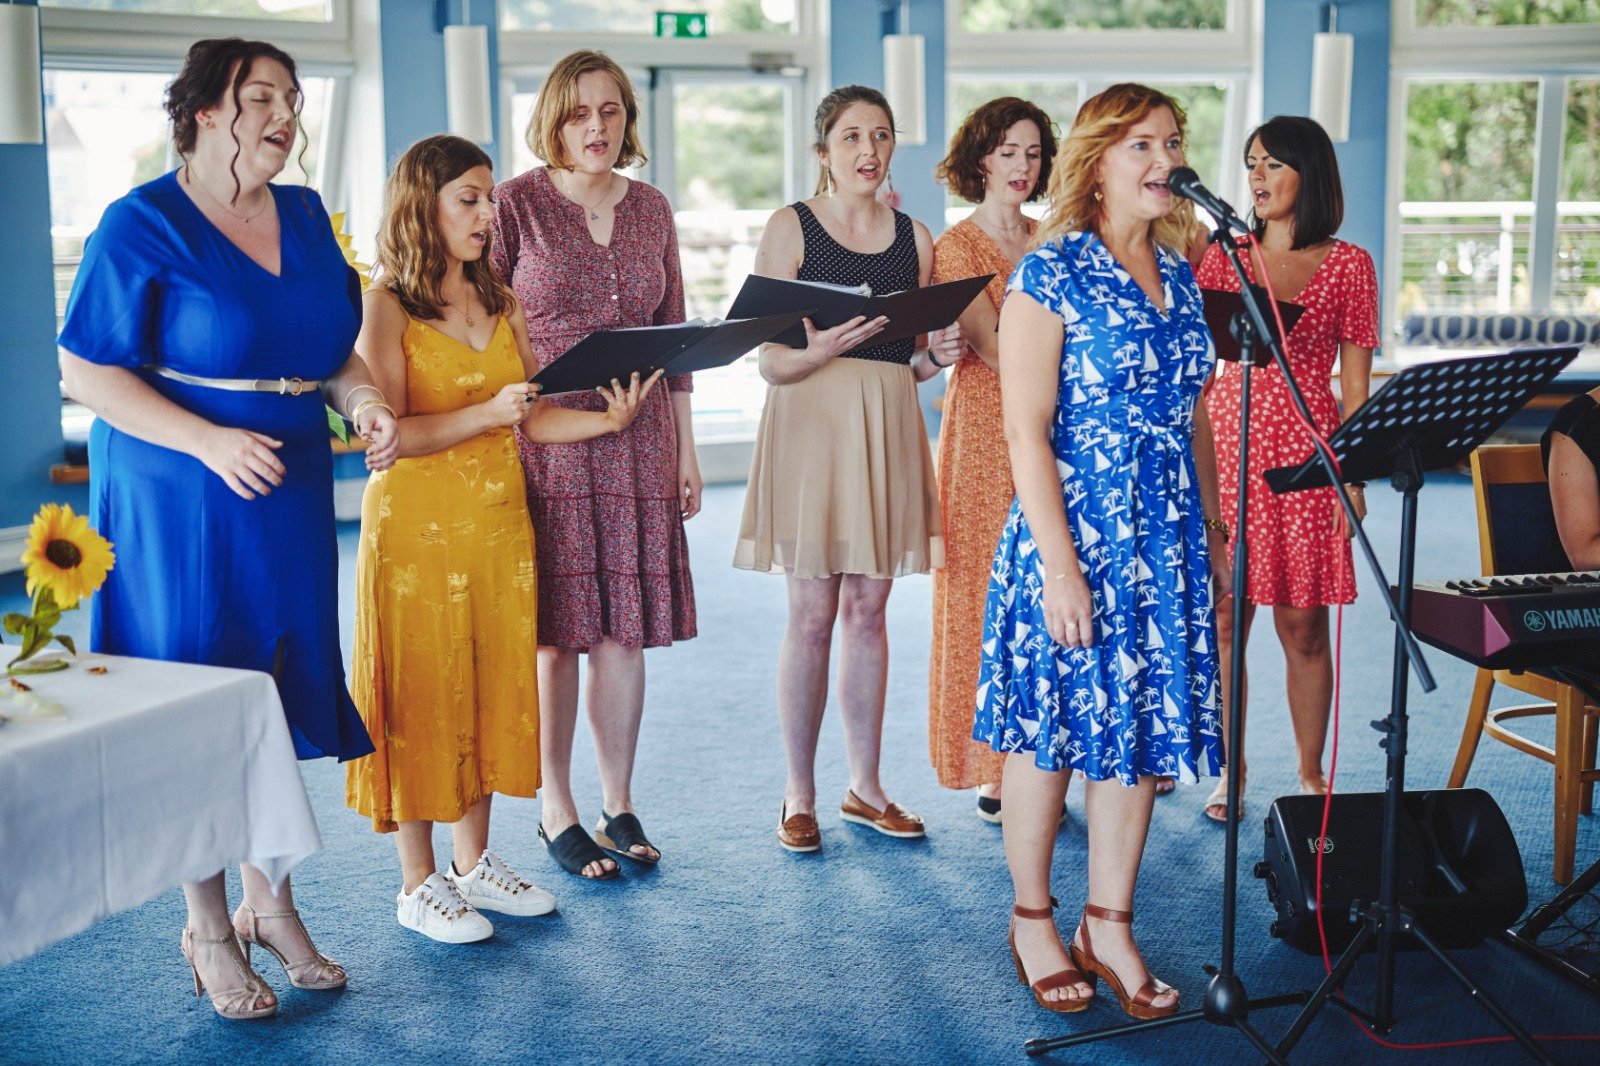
point(1184, 181)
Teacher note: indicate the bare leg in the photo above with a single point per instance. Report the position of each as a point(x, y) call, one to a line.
point(558, 721)
point(1235, 760)
point(989, 789)
point(1119, 819)
point(414, 842)
point(470, 835)
point(616, 706)
point(286, 934)
point(803, 683)
point(863, 678)
point(1032, 801)
point(1309, 661)
point(208, 917)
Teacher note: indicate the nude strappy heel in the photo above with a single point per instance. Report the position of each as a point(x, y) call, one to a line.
point(233, 1003)
point(324, 973)
point(1060, 979)
point(1138, 1005)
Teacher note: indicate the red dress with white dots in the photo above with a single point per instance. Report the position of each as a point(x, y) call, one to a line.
point(1299, 556)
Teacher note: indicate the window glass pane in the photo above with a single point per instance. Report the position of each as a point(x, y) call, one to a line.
point(1455, 14)
point(289, 10)
point(639, 16)
point(1577, 274)
point(107, 132)
point(1467, 214)
point(999, 16)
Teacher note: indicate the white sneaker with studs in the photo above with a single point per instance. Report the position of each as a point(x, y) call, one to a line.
point(491, 885)
point(437, 909)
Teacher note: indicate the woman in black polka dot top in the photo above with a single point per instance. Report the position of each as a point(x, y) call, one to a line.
point(841, 496)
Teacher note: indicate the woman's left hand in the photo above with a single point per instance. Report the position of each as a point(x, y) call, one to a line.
point(1358, 500)
point(381, 430)
point(690, 484)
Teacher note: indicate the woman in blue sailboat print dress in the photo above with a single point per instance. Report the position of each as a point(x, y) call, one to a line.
point(1099, 639)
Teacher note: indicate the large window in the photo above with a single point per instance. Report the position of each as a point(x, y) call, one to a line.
point(289, 10)
point(638, 16)
point(1461, 14)
point(1000, 16)
point(1577, 268)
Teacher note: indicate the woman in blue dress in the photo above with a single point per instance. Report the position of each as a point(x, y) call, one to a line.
point(212, 317)
point(1099, 643)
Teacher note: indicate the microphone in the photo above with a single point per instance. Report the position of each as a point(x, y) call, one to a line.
point(1186, 183)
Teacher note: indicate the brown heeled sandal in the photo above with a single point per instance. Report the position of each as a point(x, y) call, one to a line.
point(1141, 1003)
point(1059, 979)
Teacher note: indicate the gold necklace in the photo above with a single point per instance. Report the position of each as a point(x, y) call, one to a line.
point(604, 196)
point(196, 183)
point(466, 314)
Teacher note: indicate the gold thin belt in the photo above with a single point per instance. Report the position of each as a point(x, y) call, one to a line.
point(281, 386)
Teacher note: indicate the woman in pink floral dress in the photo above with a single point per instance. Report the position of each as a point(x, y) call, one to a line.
point(586, 249)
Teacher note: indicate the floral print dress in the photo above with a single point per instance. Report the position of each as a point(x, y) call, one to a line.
point(1143, 700)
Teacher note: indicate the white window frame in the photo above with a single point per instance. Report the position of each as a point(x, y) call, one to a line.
point(75, 34)
point(1549, 55)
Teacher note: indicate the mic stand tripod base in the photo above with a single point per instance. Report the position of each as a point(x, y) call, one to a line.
point(1225, 1004)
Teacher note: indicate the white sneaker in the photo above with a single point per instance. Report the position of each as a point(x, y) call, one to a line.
point(436, 909)
point(493, 886)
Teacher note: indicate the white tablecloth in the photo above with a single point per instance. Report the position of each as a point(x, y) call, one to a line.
point(159, 773)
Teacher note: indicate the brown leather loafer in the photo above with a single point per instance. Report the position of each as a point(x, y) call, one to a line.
point(798, 832)
point(894, 820)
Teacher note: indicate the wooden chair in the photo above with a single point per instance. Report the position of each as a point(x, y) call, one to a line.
point(1517, 535)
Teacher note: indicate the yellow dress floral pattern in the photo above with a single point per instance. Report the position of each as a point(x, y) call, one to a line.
point(446, 594)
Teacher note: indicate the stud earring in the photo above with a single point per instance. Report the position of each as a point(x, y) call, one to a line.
point(1097, 196)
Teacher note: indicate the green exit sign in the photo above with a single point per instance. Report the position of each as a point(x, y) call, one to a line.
point(680, 24)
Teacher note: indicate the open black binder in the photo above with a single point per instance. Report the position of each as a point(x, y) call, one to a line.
point(1221, 305)
point(912, 312)
point(617, 354)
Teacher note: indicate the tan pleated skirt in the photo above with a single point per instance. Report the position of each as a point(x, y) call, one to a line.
point(842, 481)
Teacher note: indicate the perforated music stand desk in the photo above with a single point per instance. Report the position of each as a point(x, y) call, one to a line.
point(1426, 417)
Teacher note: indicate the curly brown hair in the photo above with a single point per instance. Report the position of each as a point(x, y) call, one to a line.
point(961, 171)
point(213, 67)
point(558, 102)
point(1103, 120)
point(411, 257)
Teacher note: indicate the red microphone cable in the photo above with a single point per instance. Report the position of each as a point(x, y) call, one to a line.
point(1321, 443)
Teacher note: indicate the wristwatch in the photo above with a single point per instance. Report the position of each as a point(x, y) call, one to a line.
point(1220, 526)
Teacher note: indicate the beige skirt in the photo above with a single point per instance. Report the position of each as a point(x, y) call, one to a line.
point(842, 481)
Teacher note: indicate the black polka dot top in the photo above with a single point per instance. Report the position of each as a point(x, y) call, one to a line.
point(892, 270)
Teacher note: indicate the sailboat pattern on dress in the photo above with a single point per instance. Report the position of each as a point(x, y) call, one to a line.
point(1144, 699)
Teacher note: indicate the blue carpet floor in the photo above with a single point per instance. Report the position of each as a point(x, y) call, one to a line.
point(873, 951)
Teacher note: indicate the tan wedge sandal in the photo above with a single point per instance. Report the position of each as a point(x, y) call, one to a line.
point(1141, 1003)
point(235, 1004)
point(1059, 979)
point(316, 974)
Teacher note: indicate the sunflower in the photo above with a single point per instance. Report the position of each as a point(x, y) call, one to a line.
point(347, 246)
point(65, 555)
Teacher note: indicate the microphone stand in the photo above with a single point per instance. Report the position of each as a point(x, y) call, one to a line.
point(1226, 1002)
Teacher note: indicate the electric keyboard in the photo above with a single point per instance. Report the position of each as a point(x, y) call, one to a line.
point(1514, 622)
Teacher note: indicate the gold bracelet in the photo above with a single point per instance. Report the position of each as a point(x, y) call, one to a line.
point(358, 388)
point(355, 416)
point(1217, 525)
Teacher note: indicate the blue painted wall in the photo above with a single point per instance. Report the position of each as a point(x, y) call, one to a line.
point(413, 70)
point(1286, 90)
point(30, 404)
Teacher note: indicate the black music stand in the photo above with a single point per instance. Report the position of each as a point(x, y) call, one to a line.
point(1426, 417)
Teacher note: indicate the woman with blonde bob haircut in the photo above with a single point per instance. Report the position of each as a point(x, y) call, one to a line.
point(1100, 650)
point(585, 248)
point(445, 582)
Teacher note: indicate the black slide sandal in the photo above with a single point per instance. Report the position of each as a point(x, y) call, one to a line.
point(573, 849)
point(621, 833)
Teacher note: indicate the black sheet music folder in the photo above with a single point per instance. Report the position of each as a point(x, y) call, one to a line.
point(910, 313)
point(678, 349)
point(1220, 307)
point(1441, 411)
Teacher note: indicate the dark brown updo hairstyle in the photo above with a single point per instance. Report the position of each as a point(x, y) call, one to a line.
point(411, 257)
point(962, 169)
point(214, 67)
point(833, 105)
point(1303, 146)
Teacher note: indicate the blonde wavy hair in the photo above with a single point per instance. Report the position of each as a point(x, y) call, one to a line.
point(1102, 122)
point(558, 102)
point(411, 259)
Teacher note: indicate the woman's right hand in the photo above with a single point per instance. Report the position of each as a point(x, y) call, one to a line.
point(827, 344)
point(243, 459)
point(509, 406)
point(1069, 609)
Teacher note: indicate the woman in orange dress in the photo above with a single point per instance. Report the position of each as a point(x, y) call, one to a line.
point(999, 159)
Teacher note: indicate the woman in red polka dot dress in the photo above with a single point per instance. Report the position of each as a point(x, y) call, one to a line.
point(1299, 545)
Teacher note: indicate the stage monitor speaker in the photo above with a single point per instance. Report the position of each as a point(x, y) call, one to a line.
point(1460, 870)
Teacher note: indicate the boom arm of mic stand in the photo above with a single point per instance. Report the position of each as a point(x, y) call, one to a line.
point(1258, 320)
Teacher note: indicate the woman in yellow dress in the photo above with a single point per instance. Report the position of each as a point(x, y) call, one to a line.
point(445, 579)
